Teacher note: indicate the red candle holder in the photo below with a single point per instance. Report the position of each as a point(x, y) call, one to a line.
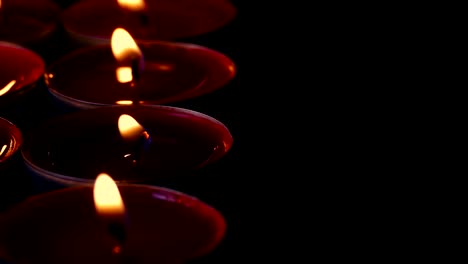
point(11, 140)
point(28, 22)
point(69, 149)
point(172, 72)
point(20, 71)
point(164, 226)
point(92, 22)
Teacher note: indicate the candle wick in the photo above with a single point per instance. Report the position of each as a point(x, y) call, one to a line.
point(144, 19)
point(117, 230)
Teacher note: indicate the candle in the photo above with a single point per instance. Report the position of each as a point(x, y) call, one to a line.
point(20, 69)
point(92, 22)
point(27, 22)
point(159, 144)
point(71, 226)
point(170, 72)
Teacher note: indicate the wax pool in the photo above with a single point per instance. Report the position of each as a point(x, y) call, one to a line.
point(164, 226)
point(73, 148)
point(172, 72)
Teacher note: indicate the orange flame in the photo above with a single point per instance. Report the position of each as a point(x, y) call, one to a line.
point(129, 128)
point(5, 89)
point(107, 199)
point(133, 5)
point(124, 46)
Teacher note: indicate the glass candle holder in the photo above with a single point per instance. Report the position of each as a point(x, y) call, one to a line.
point(172, 72)
point(67, 150)
point(163, 226)
point(92, 22)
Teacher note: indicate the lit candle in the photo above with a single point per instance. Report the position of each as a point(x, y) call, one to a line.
point(27, 22)
point(117, 74)
point(170, 143)
point(111, 209)
point(92, 22)
point(129, 59)
point(79, 225)
point(138, 138)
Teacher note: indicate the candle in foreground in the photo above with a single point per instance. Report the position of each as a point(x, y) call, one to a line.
point(166, 142)
point(27, 22)
point(170, 72)
point(64, 226)
point(92, 22)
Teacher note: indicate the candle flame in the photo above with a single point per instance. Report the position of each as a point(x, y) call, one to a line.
point(133, 5)
point(129, 128)
point(5, 89)
point(124, 46)
point(124, 74)
point(107, 197)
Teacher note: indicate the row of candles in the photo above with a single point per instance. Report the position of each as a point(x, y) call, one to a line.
point(120, 141)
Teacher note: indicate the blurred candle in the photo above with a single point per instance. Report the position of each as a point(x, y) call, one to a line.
point(92, 22)
point(168, 143)
point(27, 22)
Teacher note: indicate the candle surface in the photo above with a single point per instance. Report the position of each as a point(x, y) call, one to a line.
point(164, 227)
point(94, 21)
point(20, 68)
point(78, 146)
point(27, 21)
point(172, 72)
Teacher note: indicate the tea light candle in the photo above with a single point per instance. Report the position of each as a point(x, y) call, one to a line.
point(92, 22)
point(20, 69)
point(170, 72)
point(67, 149)
point(71, 226)
point(27, 22)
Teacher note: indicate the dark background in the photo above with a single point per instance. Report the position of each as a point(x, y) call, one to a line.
point(222, 185)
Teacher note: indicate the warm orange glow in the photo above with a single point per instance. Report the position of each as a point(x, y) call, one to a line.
point(129, 128)
point(124, 74)
point(5, 89)
point(124, 46)
point(133, 5)
point(3, 149)
point(107, 197)
point(124, 102)
point(0, 3)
